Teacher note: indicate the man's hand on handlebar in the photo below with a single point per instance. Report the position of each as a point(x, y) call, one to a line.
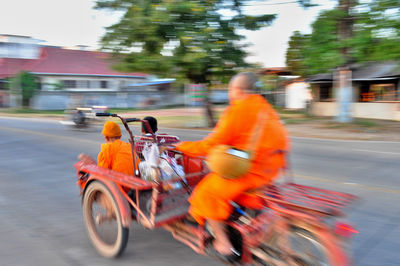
point(166, 147)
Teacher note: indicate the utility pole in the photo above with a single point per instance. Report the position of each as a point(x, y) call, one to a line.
point(343, 76)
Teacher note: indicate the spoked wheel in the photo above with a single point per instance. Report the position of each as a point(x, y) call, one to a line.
point(299, 247)
point(306, 249)
point(103, 221)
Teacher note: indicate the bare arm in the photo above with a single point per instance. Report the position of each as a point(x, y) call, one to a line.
point(86, 159)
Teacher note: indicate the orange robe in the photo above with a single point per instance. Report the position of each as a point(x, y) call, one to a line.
point(211, 197)
point(116, 155)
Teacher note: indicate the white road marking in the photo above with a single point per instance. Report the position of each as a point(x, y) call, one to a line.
point(345, 140)
point(50, 136)
point(335, 181)
point(70, 123)
point(383, 152)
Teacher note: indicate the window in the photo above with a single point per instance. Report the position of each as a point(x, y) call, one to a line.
point(3, 85)
point(69, 84)
point(83, 84)
point(384, 92)
point(325, 92)
point(104, 84)
point(94, 84)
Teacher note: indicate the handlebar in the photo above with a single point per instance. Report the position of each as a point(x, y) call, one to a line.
point(104, 114)
point(127, 120)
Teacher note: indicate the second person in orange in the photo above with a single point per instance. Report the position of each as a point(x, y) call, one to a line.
point(115, 154)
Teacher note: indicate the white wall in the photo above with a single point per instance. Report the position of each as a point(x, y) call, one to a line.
point(297, 95)
point(60, 100)
point(324, 108)
point(376, 110)
point(114, 83)
point(372, 110)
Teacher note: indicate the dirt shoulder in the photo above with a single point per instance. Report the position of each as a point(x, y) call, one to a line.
point(328, 129)
point(297, 123)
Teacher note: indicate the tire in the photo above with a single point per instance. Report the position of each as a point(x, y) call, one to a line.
point(306, 250)
point(98, 224)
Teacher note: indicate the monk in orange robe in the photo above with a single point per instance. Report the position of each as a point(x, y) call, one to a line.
point(212, 197)
point(115, 154)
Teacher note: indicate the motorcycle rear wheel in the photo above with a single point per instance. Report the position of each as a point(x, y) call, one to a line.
point(305, 249)
point(105, 229)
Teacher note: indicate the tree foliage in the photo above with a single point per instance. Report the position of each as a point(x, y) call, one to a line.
point(26, 85)
point(295, 53)
point(187, 39)
point(375, 37)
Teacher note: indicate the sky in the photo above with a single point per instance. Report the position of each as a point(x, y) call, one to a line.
point(75, 22)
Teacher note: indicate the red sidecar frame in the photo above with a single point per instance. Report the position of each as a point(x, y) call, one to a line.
point(163, 203)
point(167, 202)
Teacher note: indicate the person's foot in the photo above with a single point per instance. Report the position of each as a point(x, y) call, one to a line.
point(231, 255)
point(222, 248)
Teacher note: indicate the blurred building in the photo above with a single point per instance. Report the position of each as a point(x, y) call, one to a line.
point(74, 72)
point(297, 94)
point(290, 91)
point(57, 67)
point(375, 91)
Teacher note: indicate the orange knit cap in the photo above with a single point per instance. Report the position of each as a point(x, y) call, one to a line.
point(111, 130)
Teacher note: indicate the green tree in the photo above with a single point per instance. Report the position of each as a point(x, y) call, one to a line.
point(375, 37)
point(295, 53)
point(321, 50)
point(25, 84)
point(377, 34)
point(186, 39)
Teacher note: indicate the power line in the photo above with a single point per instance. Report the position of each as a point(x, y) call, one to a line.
point(267, 4)
point(273, 4)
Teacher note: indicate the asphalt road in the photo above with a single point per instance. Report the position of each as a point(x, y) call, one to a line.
point(41, 218)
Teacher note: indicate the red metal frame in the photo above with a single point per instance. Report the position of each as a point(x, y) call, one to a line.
point(288, 204)
point(291, 204)
point(308, 199)
point(123, 183)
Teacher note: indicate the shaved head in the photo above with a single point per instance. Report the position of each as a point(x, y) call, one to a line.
point(245, 80)
point(241, 85)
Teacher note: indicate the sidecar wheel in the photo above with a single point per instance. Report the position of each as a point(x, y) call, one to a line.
point(103, 221)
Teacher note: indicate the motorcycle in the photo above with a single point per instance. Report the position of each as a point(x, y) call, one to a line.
point(82, 117)
point(286, 224)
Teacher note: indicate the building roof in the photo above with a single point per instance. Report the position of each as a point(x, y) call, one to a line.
point(320, 78)
point(368, 72)
point(378, 71)
point(152, 82)
point(11, 66)
point(280, 71)
point(59, 61)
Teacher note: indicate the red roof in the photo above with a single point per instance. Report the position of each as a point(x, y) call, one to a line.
point(54, 60)
point(11, 66)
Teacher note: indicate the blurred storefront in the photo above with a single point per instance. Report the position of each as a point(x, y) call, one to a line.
point(375, 92)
